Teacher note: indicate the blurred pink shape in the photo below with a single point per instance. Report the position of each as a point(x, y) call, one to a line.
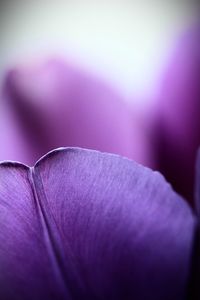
point(178, 123)
point(54, 104)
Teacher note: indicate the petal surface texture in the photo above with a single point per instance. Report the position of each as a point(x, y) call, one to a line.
point(27, 266)
point(90, 225)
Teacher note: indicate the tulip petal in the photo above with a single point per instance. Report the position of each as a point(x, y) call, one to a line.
point(27, 266)
point(119, 230)
point(178, 134)
point(86, 225)
point(55, 104)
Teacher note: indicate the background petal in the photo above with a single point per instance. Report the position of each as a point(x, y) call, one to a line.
point(54, 104)
point(178, 124)
point(120, 230)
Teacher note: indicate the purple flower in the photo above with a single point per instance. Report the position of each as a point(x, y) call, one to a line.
point(178, 125)
point(53, 104)
point(82, 224)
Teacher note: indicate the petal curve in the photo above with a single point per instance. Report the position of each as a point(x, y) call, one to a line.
point(88, 225)
point(121, 227)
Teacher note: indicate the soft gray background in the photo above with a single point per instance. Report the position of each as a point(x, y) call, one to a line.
point(127, 42)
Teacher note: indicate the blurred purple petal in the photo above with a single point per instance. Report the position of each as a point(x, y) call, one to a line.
point(53, 104)
point(178, 127)
point(116, 229)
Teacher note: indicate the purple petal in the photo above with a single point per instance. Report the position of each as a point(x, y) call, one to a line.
point(178, 127)
point(55, 104)
point(27, 264)
point(86, 225)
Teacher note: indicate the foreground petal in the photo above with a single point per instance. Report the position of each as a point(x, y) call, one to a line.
point(27, 264)
point(119, 229)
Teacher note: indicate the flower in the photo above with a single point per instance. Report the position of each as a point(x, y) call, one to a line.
point(54, 104)
point(82, 224)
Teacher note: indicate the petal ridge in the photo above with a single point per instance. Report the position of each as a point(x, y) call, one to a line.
point(26, 270)
point(53, 249)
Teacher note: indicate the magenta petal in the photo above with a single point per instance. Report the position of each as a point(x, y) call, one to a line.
point(55, 104)
point(88, 225)
point(178, 127)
